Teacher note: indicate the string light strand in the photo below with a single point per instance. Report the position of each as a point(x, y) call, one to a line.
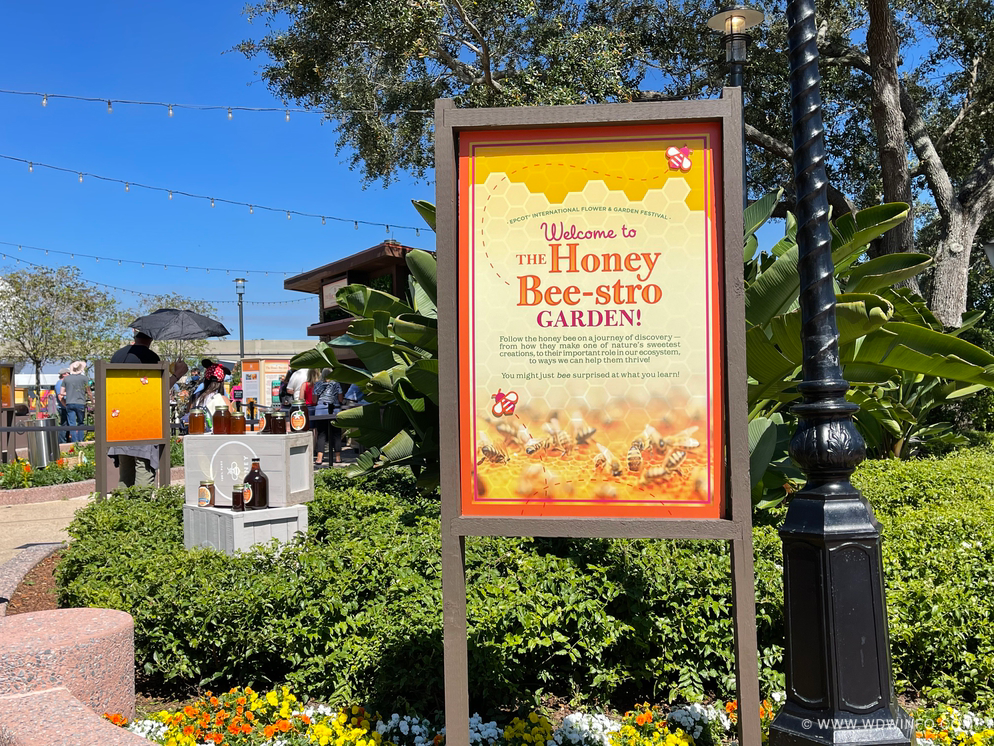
point(32, 165)
point(19, 260)
point(170, 107)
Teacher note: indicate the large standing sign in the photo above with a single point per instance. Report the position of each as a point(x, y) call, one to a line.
point(592, 341)
point(132, 409)
point(589, 265)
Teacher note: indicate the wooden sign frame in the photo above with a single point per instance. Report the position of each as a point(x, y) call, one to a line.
point(6, 407)
point(103, 413)
point(733, 522)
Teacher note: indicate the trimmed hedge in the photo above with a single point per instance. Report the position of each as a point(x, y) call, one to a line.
point(353, 613)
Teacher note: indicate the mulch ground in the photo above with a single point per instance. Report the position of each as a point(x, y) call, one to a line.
point(37, 591)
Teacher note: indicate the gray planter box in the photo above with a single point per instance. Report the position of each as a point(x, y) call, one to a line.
point(226, 531)
point(287, 460)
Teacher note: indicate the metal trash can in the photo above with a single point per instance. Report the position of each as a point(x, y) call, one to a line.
point(43, 444)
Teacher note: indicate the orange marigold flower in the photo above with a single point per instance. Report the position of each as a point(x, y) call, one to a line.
point(188, 730)
point(648, 717)
point(283, 725)
point(234, 729)
point(241, 701)
point(304, 719)
point(640, 719)
point(216, 738)
point(246, 729)
point(214, 701)
point(269, 731)
point(190, 712)
point(116, 718)
point(250, 716)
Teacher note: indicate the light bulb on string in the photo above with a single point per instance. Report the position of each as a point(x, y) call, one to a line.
point(388, 229)
point(229, 113)
point(287, 115)
point(322, 220)
point(170, 109)
point(44, 100)
point(31, 168)
point(127, 187)
point(251, 211)
point(110, 108)
point(287, 214)
point(356, 224)
point(417, 231)
point(170, 194)
point(80, 177)
point(212, 201)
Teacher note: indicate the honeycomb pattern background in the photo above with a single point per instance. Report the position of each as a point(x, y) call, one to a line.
point(619, 407)
point(133, 410)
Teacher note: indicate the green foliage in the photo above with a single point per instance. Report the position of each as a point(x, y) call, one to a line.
point(52, 314)
point(895, 355)
point(354, 612)
point(18, 474)
point(397, 343)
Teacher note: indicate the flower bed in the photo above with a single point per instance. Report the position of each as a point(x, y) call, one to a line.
point(243, 717)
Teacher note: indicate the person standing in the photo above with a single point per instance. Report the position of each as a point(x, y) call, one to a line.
point(329, 402)
point(137, 465)
point(60, 403)
point(77, 394)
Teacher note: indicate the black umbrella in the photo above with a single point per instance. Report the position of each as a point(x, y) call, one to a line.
point(172, 323)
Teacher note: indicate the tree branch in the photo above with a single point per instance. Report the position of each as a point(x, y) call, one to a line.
point(940, 143)
point(930, 164)
point(484, 47)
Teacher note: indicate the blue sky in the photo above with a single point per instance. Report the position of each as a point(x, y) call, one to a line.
point(175, 52)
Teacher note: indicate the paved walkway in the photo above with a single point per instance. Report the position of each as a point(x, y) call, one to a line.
point(22, 526)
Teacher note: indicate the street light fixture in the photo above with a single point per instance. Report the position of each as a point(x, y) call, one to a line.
point(733, 23)
point(840, 687)
point(240, 289)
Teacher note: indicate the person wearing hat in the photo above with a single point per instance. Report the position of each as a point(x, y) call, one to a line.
point(211, 395)
point(77, 390)
point(60, 404)
point(137, 465)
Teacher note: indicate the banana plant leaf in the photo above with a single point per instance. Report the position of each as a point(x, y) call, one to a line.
point(854, 230)
point(426, 210)
point(420, 331)
point(777, 287)
point(754, 216)
point(423, 375)
point(917, 349)
point(363, 301)
point(762, 444)
point(378, 425)
point(910, 307)
point(424, 269)
point(885, 271)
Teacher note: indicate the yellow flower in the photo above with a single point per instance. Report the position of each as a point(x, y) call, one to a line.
point(272, 698)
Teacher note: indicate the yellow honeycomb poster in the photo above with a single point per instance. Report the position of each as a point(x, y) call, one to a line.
point(590, 322)
point(133, 406)
point(6, 386)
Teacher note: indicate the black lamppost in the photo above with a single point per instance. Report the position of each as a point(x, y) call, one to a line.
point(733, 22)
point(840, 688)
point(240, 289)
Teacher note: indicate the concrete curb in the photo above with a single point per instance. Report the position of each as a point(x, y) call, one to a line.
point(13, 571)
point(67, 491)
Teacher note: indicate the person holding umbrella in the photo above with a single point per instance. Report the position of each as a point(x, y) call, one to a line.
point(137, 465)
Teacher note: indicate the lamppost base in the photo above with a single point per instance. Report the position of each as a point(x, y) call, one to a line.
point(797, 726)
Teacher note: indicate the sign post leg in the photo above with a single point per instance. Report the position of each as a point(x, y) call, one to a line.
point(455, 650)
point(746, 653)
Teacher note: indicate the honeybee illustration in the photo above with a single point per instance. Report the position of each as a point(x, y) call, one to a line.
point(683, 439)
point(655, 474)
point(674, 460)
point(582, 432)
point(559, 439)
point(495, 454)
point(635, 456)
point(653, 437)
point(607, 461)
point(679, 158)
point(144, 380)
